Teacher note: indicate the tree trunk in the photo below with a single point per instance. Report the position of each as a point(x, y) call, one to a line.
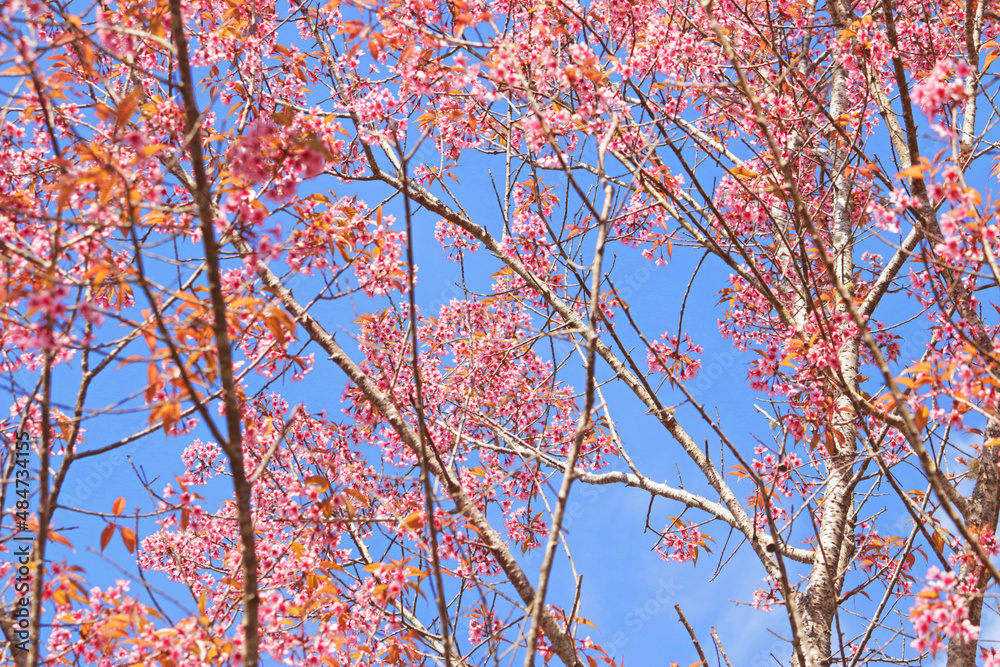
point(818, 604)
point(981, 513)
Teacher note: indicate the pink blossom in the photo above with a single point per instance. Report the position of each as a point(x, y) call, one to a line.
point(941, 612)
point(936, 91)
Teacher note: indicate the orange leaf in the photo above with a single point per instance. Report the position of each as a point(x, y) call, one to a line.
point(914, 171)
point(118, 507)
point(106, 535)
point(414, 520)
point(129, 538)
point(830, 442)
point(56, 537)
point(319, 481)
point(937, 541)
point(743, 172)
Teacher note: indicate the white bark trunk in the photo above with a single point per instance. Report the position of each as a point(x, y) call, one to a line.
point(818, 604)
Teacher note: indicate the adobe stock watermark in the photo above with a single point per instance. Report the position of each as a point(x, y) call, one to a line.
point(712, 371)
point(780, 653)
point(629, 284)
point(661, 600)
point(21, 552)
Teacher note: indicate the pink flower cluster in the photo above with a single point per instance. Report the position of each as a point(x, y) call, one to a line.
point(266, 152)
point(943, 611)
point(49, 302)
point(937, 90)
point(667, 358)
point(454, 239)
point(249, 157)
point(988, 540)
point(765, 598)
point(483, 624)
point(886, 217)
point(776, 473)
point(681, 543)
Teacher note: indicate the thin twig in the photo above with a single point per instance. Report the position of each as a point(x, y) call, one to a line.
point(694, 637)
point(719, 648)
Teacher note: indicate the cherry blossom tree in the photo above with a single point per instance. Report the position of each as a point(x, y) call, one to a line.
point(206, 203)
